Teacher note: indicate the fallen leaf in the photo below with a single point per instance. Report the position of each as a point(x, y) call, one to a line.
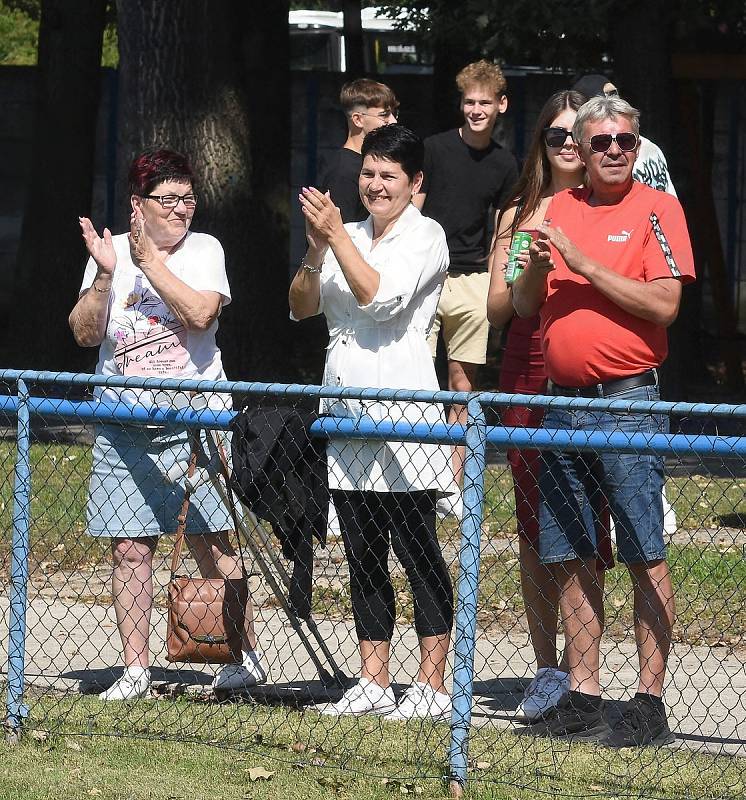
point(298, 765)
point(483, 764)
point(298, 747)
point(318, 762)
point(594, 787)
point(93, 792)
point(259, 774)
point(73, 746)
point(39, 736)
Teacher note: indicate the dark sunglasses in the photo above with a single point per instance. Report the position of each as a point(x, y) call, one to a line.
point(601, 142)
point(556, 137)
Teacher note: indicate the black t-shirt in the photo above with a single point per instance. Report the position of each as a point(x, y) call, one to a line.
point(340, 176)
point(462, 186)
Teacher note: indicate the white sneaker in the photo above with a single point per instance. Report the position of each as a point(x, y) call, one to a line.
point(250, 672)
point(365, 697)
point(543, 693)
point(670, 523)
point(450, 505)
point(421, 701)
point(134, 683)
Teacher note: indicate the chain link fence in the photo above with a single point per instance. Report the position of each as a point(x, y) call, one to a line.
point(60, 637)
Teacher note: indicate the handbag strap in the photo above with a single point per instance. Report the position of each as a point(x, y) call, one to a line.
point(196, 446)
point(231, 499)
point(182, 518)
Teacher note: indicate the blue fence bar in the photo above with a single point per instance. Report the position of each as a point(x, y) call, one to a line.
point(366, 428)
point(19, 570)
point(468, 587)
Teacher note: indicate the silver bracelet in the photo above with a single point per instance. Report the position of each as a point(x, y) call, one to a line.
point(309, 267)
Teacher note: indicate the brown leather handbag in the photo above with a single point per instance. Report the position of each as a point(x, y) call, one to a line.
point(205, 615)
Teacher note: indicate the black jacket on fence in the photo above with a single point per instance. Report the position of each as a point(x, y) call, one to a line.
point(280, 473)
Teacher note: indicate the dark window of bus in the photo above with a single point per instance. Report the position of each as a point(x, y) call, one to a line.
point(395, 52)
point(315, 50)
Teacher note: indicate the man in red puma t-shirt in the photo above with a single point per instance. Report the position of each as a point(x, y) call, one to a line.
point(606, 278)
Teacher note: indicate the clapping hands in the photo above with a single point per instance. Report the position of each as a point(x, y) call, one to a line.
point(323, 218)
point(100, 248)
point(141, 247)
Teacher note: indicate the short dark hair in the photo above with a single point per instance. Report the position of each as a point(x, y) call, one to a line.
point(367, 93)
point(398, 144)
point(156, 165)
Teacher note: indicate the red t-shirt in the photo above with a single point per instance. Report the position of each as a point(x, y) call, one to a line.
point(587, 338)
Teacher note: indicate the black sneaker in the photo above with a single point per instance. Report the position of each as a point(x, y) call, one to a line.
point(567, 721)
point(641, 723)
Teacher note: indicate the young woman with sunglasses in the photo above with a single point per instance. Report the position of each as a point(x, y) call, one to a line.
point(551, 166)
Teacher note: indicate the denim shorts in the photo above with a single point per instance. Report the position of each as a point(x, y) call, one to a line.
point(631, 482)
point(129, 497)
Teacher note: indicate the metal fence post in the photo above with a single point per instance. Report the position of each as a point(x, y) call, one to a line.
point(468, 584)
point(19, 571)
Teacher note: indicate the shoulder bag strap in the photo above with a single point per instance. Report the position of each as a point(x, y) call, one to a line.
point(224, 471)
point(182, 518)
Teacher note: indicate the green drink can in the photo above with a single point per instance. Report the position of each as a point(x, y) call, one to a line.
point(520, 243)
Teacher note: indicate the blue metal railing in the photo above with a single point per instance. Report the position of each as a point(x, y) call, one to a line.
point(475, 436)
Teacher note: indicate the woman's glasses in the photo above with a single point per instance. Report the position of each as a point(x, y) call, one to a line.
point(172, 200)
point(556, 137)
point(601, 142)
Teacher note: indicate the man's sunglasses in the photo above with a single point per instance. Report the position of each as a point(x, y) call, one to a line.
point(556, 137)
point(601, 142)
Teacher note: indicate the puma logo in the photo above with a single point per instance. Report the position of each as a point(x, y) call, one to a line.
point(624, 236)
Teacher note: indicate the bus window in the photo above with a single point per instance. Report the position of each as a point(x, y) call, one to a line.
point(315, 50)
point(317, 43)
point(395, 52)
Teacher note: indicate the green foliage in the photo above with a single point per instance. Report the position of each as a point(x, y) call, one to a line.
point(575, 34)
point(18, 36)
point(19, 33)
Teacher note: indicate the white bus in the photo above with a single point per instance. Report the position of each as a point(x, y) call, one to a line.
point(317, 43)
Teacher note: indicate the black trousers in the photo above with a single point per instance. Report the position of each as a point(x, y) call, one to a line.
point(368, 521)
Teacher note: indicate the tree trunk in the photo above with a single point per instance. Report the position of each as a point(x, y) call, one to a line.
point(49, 265)
point(210, 79)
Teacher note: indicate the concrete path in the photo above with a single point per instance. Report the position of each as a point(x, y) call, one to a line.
point(75, 647)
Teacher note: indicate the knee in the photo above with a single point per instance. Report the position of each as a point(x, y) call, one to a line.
point(208, 551)
point(130, 555)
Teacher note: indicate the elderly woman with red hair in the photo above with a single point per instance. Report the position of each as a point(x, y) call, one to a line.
point(150, 301)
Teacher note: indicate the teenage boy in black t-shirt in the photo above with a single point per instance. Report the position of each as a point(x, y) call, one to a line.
point(367, 105)
point(467, 174)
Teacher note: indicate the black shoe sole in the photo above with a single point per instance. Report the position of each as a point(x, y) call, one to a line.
point(597, 733)
point(662, 739)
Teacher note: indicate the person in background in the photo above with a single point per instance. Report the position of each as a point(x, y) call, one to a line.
point(377, 282)
point(466, 176)
point(150, 301)
point(367, 105)
point(651, 166)
point(606, 277)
